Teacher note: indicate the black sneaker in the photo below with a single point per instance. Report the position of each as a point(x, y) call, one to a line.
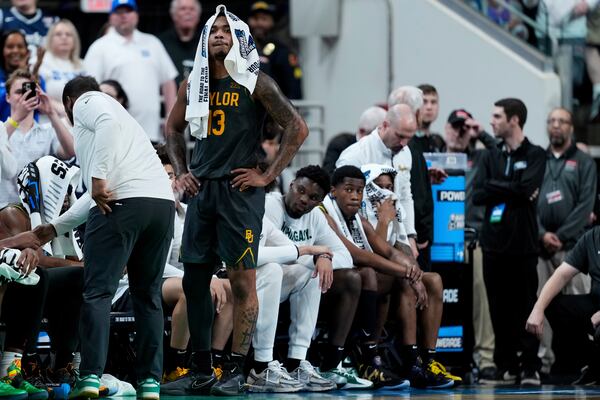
point(588, 376)
point(232, 382)
point(423, 379)
point(502, 377)
point(192, 384)
point(530, 378)
point(381, 376)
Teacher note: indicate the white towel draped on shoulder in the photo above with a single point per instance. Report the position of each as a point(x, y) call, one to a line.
point(373, 195)
point(334, 211)
point(242, 64)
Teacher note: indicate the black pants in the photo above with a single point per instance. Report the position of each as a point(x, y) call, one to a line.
point(137, 234)
point(22, 311)
point(424, 258)
point(511, 283)
point(569, 317)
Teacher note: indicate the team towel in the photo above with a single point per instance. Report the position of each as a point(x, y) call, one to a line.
point(334, 211)
point(43, 186)
point(242, 64)
point(373, 195)
point(10, 271)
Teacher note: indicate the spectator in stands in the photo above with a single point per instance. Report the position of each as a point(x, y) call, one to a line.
point(276, 59)
point(181, 41)
point(566, 200)
point(368, 121)
point(26, 17)
point(115, 90)
point(508, 185)
point(30, 139)
point(61, 61)
point(460, 132)
point(8, 163)
point(139, 62)
point(13, 55)
point(566, 21)
point(575, 315)
point(425, 140)
point(592, 58)
point(502, 15)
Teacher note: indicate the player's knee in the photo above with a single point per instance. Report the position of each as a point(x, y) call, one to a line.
point(369, 279)
point(272, 272)
point(433, 283)
point(350, 280)
point(243, 287)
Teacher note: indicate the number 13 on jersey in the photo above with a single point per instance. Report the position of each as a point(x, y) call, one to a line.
point(218, 118)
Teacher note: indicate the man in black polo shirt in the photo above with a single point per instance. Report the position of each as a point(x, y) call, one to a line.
point(575, 313)
point(508, 184)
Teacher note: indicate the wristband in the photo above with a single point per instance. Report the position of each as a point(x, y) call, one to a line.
point(12, 122)
point(324, 255)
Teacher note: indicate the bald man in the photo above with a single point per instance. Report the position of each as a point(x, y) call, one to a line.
point(368, 121)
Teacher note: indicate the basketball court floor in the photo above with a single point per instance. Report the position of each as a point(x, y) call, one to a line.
point(460, 393)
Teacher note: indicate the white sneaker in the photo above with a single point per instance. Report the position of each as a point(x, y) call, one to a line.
point(310, 378)
point(274, 379)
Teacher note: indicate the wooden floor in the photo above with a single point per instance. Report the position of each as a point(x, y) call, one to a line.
point(461, 393)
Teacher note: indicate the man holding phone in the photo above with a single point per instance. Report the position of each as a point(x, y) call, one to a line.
point(28, 139)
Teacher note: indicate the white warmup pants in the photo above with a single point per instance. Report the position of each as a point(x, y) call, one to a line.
point(275, 284)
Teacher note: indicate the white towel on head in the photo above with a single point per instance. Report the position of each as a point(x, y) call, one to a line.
point(43, 186)
point(334, 211)
point(242, 64)
point(373, 195)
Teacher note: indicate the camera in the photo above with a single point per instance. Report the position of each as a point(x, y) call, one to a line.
point(27, 86)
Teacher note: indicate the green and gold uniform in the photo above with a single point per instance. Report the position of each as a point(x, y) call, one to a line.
point(224, 223)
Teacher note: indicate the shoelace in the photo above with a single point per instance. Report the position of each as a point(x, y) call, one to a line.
point(278, 370)
point(308, 367)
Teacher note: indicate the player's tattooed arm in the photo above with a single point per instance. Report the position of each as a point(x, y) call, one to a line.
point(283, 113)
point(176, 148)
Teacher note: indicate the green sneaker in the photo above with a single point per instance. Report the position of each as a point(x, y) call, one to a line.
point(86, 386)
point(15, 378)
point(350, 376)
point(148, 389)
point(8, 392)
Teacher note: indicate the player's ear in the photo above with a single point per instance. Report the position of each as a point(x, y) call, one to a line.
point(332, 192)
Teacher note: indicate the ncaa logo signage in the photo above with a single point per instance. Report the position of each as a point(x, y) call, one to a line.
point(451, 195)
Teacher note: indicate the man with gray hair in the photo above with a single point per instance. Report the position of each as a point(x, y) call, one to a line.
point(368, 121)
point(182, 39)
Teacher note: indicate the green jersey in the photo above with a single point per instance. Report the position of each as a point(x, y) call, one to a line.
point(233, 133)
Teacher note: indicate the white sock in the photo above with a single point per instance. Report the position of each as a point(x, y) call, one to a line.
point(7, 358)
point(596, 90)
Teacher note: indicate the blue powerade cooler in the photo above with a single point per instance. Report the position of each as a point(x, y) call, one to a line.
point(448, 259)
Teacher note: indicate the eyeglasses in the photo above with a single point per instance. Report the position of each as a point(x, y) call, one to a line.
point(560, 121)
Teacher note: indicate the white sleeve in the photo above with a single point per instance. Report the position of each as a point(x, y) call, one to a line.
point(404, 192)
point(277, 248)
point(349, 157)
point(93, 114)
point(74, 216)
point(8, 163)
point(327, 237)
point(94, 61)
point(167, 69)
point(274, 209)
